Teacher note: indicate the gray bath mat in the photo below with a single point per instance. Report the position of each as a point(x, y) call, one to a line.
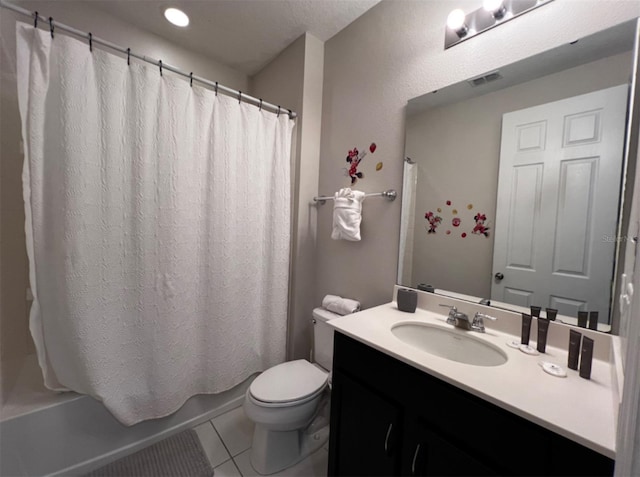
point(177, 456)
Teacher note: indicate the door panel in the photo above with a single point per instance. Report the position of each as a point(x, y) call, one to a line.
point(368, 435)
point(532, 137)
point(567, 306)
point(518, 297)
point(574, 225)
point(524, 215)
point(431, 454)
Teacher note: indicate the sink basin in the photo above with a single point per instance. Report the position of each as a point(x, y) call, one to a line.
point(452, 344)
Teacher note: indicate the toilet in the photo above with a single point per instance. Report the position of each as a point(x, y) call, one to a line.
point(285, 403)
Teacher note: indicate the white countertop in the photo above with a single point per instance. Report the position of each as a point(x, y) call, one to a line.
point(579, 409)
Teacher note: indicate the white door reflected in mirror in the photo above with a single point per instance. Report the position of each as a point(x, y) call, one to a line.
point(558, 195)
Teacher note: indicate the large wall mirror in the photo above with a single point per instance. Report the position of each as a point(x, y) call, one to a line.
point(514, 181)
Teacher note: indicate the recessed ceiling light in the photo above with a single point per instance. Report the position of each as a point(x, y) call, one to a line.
point(177, 17)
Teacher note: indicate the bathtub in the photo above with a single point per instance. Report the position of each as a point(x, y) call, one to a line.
point(70, 434)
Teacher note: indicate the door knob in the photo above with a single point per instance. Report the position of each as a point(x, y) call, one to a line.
point(498, 276)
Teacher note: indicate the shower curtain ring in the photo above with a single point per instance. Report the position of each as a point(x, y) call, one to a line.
point(160, 65)
point(278, 111)
point(128, 56)
point(90, 42)
point(239, 97)
point(260, 104)
point(290, 114)
point(35, 19)
point(191, 79)
point(216, 89)
point(51, 26)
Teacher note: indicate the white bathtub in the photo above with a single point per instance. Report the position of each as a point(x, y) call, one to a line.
point(78, 435)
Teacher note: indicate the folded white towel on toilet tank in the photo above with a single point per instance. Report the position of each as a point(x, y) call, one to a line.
point(347, 214)
point(339, 305)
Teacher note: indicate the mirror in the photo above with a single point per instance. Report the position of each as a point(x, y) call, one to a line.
point(513, 181)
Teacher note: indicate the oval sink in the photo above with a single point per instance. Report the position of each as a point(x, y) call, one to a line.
point(451, 344)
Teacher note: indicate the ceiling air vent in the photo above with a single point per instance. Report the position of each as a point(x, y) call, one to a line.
point(488, 78)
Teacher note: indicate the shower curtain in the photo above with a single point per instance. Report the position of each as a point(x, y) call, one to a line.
point(158, 228)
point(409, 185)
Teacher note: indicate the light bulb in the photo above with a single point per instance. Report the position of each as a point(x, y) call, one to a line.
point(455, 20)
point(177, 17)
point(495, 7)
point(492, 5)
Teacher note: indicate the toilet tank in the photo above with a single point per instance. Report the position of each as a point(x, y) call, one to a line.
point(323, 337)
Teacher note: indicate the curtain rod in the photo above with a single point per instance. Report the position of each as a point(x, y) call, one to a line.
point(163, 66)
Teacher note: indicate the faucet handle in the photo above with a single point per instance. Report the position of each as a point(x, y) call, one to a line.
point(482, 315)
point(451, 320)
point(478, 321)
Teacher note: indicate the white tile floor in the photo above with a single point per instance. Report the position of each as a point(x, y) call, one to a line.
point(227, 443)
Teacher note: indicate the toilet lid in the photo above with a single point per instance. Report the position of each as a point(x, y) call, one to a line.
point(290, 381)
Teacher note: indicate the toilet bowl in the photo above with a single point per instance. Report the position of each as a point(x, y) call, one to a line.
point(284, 401)
point(285, 397)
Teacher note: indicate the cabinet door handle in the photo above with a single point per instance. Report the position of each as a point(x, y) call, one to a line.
point(415, 458)
point(386, 439)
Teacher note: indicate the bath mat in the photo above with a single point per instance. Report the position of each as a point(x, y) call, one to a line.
point(178, 456)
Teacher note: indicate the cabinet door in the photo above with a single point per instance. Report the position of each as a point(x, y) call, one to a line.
point(365, 430)
point(569, 458)
point(427, 453)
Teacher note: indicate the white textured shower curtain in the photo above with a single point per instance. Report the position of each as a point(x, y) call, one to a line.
point(158, 228)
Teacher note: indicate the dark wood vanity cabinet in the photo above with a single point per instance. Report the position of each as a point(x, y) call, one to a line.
point(388, 418)
point(368, 445)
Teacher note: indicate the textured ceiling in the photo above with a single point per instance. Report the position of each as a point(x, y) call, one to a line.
point(243, 34)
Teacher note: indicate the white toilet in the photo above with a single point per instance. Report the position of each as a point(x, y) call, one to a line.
point(284, 400)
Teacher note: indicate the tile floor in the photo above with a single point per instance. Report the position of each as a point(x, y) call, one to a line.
point(227, 443)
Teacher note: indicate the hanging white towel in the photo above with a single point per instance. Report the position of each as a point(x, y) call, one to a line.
point(347, 214)
point(339, 305)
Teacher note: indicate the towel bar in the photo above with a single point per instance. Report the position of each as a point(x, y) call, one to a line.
point(390, 195)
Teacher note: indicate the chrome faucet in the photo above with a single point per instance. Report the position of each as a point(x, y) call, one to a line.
point(461, 320)
point(457, 318)
point(478, 321)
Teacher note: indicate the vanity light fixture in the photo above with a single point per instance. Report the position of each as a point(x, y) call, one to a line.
point(496, 8)
point(177, 17)
point(461, 26)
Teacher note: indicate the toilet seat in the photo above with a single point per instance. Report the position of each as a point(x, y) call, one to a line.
point(287, 404)
point(288, 383)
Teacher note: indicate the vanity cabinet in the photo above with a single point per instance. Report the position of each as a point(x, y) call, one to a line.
point(388, 418)
point(370, 437)
point(429, 452)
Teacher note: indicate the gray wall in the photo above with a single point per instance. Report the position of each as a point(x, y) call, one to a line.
point(457, 148)
point(393, 53)
point(294, 79)
point(15, 341)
